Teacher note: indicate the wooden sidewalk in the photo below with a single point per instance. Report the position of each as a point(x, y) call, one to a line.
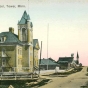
point(17, 76)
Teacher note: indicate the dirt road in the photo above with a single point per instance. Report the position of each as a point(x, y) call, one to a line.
point(72, 81)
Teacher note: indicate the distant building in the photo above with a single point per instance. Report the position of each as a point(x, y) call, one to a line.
point(65, 62)
point(72, 55)
point(52, 64)
point(74, 64)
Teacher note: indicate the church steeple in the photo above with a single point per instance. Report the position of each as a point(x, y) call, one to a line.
point(25, 28)
point(77, 58)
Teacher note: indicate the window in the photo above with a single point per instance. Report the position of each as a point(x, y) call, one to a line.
point(36, 55)
point(2, 39)
point(3, 52)
point(35, 63)
point(23, 34)
point(30, 63)
point(20, 51)
point(19, 62)
point(3, 61)
point(31, 53)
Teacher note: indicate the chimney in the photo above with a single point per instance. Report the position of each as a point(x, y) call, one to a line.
point(72, 55)
point(11, 29)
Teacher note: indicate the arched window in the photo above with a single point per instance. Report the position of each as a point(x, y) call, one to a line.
point(23, 34)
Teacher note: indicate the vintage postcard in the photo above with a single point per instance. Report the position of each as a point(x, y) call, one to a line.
point(43, 43)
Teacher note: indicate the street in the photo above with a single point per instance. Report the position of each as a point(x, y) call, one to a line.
point(72, 81)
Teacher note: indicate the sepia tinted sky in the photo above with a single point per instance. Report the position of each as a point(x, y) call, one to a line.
point(68, 25)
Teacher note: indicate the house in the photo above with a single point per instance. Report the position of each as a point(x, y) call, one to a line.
point(16, 51)
point(65, 62)
point(49, 64)
point(74, 64)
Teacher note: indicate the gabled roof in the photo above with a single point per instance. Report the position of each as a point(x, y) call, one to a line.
point(10, 38)
point(35, 41)
point(47, 61)
point(65, 59)
point(74, 62)
point(24, 18)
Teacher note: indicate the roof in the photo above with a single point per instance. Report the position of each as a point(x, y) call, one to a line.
point(74, 62)
point(35, 41)
point(48, 61)
point(65, 59)
point(24, 19)
point(10, 37)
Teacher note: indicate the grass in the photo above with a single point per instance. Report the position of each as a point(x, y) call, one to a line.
point(22, 83)
point(41, 83)
point(14, 83)
point(87, 74)
point(87, 71)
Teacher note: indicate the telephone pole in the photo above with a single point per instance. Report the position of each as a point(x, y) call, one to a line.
point(28, 6)
point(40, 57)
point(47, 45)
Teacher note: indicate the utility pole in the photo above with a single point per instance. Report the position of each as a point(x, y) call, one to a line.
point(40, 57)
point(47, 46)
point(28, 6)
point(33, 61)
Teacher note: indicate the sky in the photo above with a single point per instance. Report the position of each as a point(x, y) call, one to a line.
point(65, 20)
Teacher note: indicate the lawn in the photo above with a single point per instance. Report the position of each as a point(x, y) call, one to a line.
point(23, 83)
